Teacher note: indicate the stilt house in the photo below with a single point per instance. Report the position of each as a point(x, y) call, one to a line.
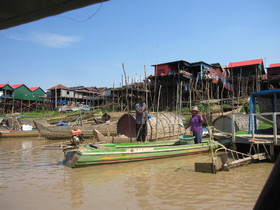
point(273, 75)
point(247, 76)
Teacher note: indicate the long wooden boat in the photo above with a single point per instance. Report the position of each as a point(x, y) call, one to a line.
point(71, 118)
point(95, 154)
point(64, 132)
point(31, 133)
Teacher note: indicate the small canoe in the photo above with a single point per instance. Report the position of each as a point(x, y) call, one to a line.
point(31, 133)
point(95, 154)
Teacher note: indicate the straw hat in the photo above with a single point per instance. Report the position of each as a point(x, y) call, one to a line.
point(194, 109)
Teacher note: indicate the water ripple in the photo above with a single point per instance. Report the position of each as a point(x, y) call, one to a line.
point(33, 176)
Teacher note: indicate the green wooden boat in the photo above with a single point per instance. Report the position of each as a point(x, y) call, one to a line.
point(95, 154)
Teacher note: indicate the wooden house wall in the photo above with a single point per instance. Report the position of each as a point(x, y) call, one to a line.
point(6, 91)
point(163, 69)
point(78, 95)
point(23, 93)
point(246, 71)
point(38, 94)
point(7, 87)
point(273, 73)
point(67, 93)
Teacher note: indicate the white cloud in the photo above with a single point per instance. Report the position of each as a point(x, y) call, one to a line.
point(47, 39)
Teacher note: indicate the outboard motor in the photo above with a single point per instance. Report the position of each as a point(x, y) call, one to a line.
point(77, 137)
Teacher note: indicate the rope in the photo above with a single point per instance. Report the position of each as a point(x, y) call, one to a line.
point(215, 129)
point(85, 19)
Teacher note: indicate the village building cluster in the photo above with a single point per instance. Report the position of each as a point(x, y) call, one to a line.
point(20, 98)
point(172, 86)
point(76, 96)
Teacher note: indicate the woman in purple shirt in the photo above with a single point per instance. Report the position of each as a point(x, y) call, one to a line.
point(196, 122)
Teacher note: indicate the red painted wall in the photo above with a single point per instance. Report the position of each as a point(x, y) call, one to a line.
point(163, 69)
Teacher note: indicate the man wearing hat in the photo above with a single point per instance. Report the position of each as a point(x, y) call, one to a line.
point(196, 122)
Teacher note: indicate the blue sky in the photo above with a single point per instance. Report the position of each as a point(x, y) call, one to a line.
point(73, 49)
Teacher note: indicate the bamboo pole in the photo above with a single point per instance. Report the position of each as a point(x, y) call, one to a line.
point(146, 88)
point(126, 84)
point(180, 108)
point(121, 94)
point(155, 88)
point(113, 97)
point(5, 101)
point(157, 112)
point(55, 95)
point(176, 109)
point(232, 100)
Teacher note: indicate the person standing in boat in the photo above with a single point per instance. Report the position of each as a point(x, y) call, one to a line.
point(141, 120)
point(196, 122)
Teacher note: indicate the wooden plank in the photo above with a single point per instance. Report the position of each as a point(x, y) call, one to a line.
point(260, 141)
point(265, 136)
point(204, 167)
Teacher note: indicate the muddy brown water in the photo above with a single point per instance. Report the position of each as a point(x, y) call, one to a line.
point(34, 178)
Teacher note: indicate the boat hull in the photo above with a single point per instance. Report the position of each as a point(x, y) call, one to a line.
point(64, 132)
point(31, 133)
point(79, 158)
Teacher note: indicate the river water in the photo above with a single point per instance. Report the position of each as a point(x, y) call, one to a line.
point(34, 178)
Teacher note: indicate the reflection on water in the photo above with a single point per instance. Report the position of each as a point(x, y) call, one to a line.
point(32, 177)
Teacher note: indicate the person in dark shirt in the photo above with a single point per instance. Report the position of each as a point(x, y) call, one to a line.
point(141, 119)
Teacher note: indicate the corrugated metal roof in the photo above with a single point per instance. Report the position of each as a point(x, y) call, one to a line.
point(174, 62)
point(274, 65)
point(16, 86)
point(60, 87)
point(2, 85)
point(199, 63)
point(245, 63)
point(34, 88)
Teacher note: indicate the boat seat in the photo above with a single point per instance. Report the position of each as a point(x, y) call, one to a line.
point(101, 138)
point(116, 139)
point(98, 146)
